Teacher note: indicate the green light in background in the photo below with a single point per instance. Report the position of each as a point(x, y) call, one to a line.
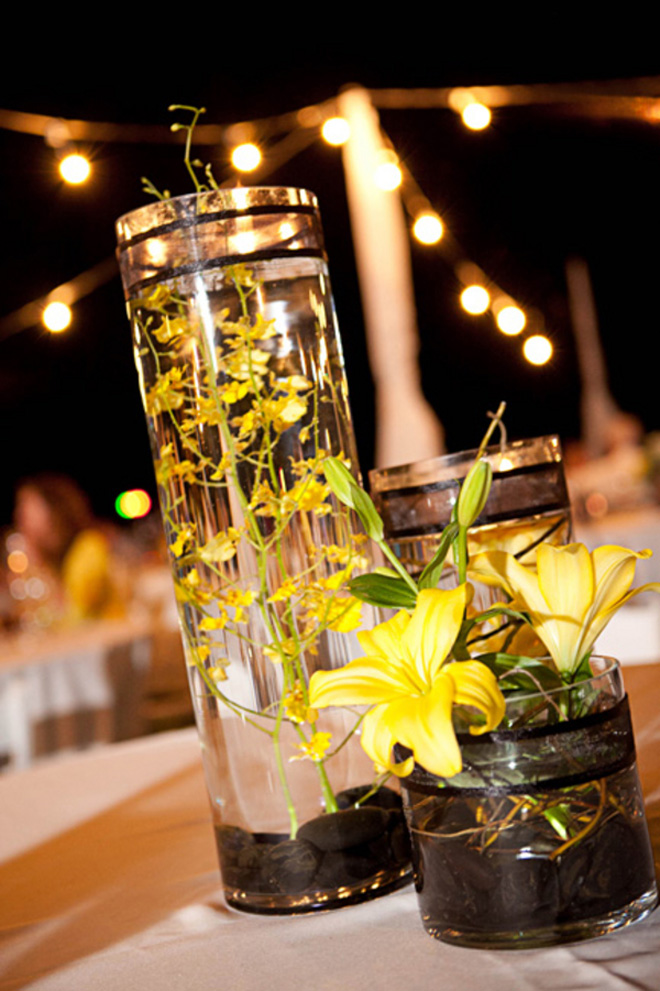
point(133, 504)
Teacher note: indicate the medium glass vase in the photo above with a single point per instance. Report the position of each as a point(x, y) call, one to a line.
point(528, 503)
point(242, 379)
point(542, 838)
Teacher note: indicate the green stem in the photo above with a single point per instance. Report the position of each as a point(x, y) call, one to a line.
point(391, 556)
point(281, 772)
point(461, 554)
point(495, 422)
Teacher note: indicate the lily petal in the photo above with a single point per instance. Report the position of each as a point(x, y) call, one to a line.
point(566, 580)
point(614, 568)
point(433, 629)
point(476, 685)
point(365, 681)
point(501, 569)
point(378, 741)
point(424, 725)
point(601, 620)
point(383, 641)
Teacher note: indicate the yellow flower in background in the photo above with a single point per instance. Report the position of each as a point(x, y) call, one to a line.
point(315, 749)
point(406, 677)
point(309, 495)
point(168, 393)
point(221, 547)
point(184, 536)
point(295, 706)
point(570, 597)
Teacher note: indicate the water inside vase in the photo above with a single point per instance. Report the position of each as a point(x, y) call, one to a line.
point(530, 870)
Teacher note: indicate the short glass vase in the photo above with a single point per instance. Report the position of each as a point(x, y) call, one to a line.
point(542, 838)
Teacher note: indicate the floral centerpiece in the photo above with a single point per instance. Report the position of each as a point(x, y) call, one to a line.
point(512, 742)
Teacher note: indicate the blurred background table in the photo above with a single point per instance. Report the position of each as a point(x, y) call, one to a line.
point(100, 682)
point(110, 881)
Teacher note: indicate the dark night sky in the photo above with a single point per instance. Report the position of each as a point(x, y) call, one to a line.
point(522, 197)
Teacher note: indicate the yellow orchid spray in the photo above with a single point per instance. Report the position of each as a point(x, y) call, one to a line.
point(569, 597)
point(406, 678)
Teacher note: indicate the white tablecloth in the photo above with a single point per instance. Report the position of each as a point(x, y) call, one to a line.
point(109, 882)
point(71, 688)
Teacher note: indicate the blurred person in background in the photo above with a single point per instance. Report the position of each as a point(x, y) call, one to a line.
point(64, 568)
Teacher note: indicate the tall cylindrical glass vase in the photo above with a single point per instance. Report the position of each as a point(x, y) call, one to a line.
point(243, 384)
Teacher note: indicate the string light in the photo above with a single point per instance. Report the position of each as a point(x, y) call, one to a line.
point(388, 175)
point(476, 116)
point(537, 349)
point(475, 300)
point(511, 320)
point(75, 169)
point(246, 157)
point(428, 228)
point(336, 131)
point(56, 317)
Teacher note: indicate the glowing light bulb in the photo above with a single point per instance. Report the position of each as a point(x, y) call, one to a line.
point(475, 300)
point(511, 320)
point(476, 116)
point(133, 504)
point(537, 349)
point(75, 169)
point(428, 228)
point(246, 157)
point(56, 317)
point(388, 176)
point(336, 131)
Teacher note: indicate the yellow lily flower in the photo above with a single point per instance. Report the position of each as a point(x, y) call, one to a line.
point(570, 597)
point(406, 678)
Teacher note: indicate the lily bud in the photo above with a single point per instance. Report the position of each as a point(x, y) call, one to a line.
point(352, 495)
point(474, 493)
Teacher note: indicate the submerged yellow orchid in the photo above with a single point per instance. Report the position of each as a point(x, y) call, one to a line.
point(570, 597)
point(404, 675)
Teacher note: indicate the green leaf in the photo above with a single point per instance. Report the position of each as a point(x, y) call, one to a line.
point(582, 672)
point(559, 817)
point(430, 576)
point(381, 590)
point(516, 672)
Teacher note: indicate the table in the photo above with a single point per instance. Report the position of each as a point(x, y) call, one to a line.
point(70, 688)
point(109, 882)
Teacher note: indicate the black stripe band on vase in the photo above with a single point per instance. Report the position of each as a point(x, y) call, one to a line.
point(193, 268)
point(534, 788)
point(429, 529)
point(620, 711)
point(196, 220)
point(587, 749)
